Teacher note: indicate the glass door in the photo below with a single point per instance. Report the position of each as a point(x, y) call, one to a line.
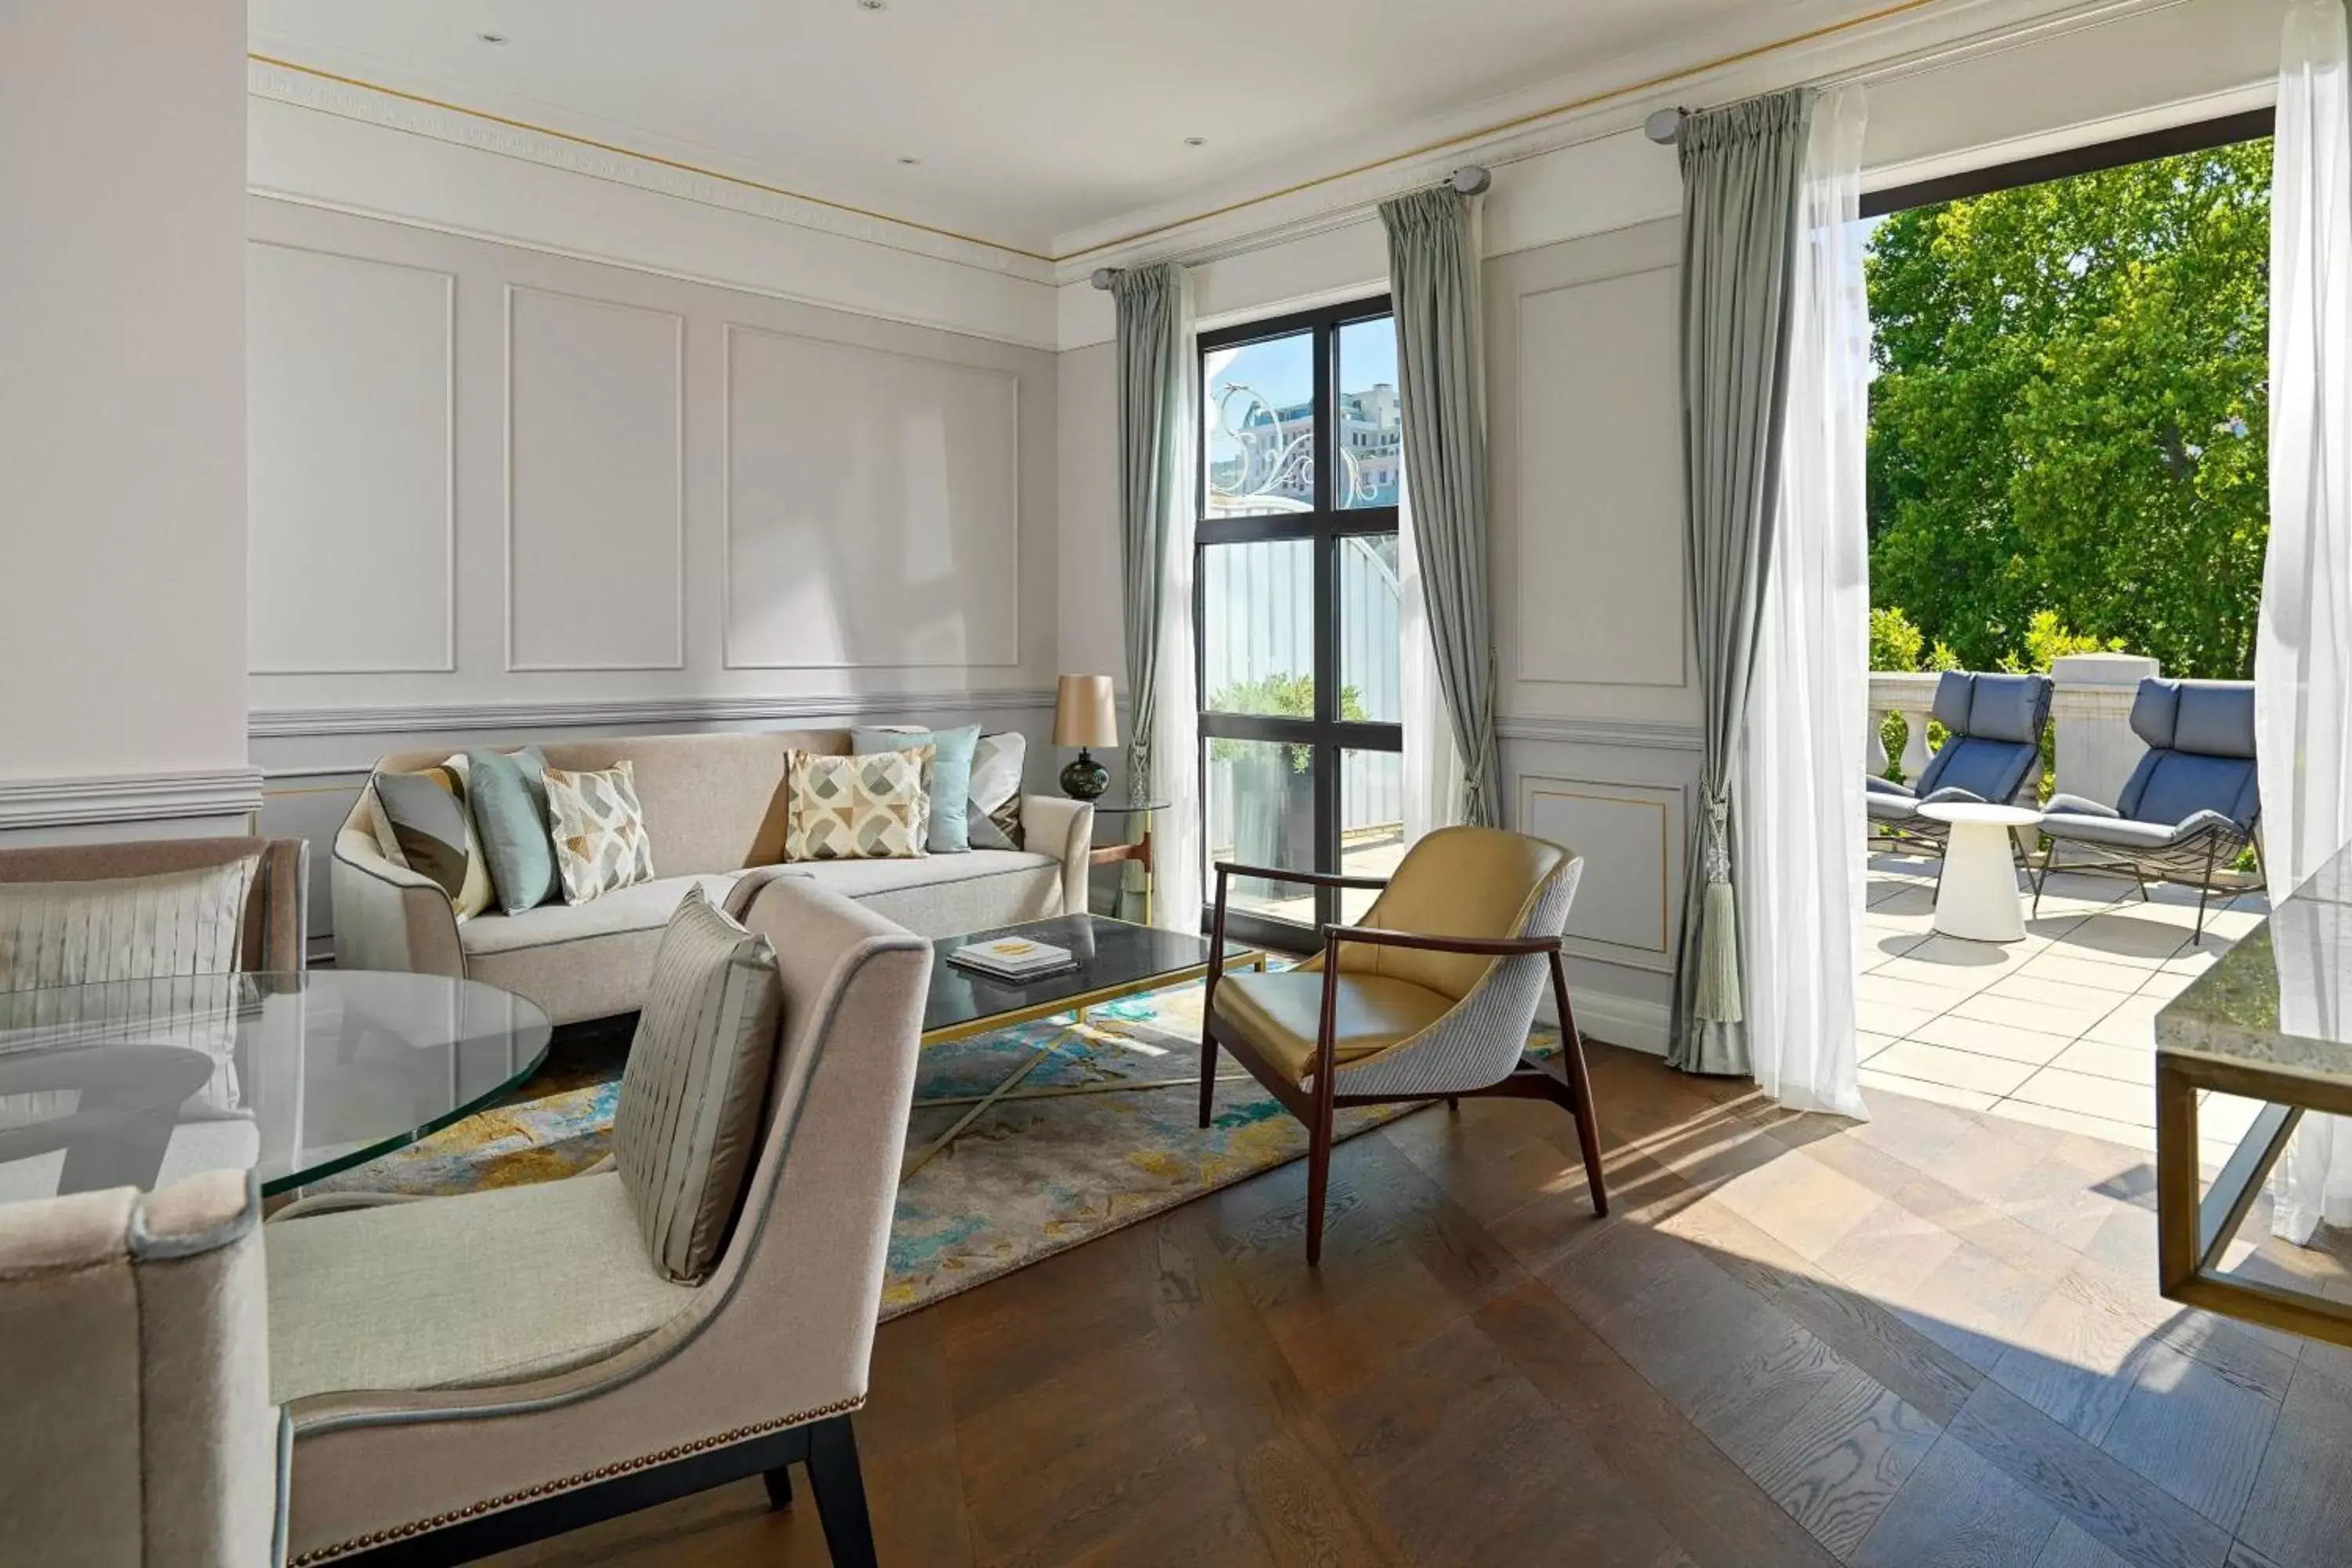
point(1296, 610)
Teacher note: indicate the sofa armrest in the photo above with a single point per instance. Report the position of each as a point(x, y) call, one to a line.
point(1052, 824)
point(284, 887)
point(388, 917)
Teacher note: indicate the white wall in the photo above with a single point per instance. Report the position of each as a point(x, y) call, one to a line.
point(500, 493)
point(1599, 719)
point(123, 414)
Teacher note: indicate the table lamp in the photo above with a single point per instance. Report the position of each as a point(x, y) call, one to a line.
point(1083, 718)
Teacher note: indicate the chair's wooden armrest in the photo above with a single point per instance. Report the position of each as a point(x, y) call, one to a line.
point(1320, 878)
point(1477, 946)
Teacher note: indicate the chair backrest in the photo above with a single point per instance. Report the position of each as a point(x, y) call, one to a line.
point(2200, 753)
point(1461, 881)
point(133, 1345)
point(273, 934)
point(1993, 734)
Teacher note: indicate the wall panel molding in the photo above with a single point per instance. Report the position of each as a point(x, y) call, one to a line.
point(1631, 837)
point(129, 797)
point(583, 489)
point(1657, 735)
point(369, 435)
point(283, 723)
point(951, 596)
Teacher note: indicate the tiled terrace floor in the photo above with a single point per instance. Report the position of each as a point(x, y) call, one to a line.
point(2057, 1029)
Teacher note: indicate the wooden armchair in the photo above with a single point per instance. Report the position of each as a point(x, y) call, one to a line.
point(1431, 998)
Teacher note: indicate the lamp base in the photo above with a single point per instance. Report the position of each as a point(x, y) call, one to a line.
point(1084, 779)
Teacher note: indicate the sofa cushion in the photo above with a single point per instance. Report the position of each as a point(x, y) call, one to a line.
point(124, 928)
point(949, 782)
point(643, 907)
point(872, 807)
point(994, 819)
point(424, 814)
point(601, 842)
point(688, 1120)
point(469, 1291)
point(505, 792)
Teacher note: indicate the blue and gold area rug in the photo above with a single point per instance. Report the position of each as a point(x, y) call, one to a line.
point(1079, 1153)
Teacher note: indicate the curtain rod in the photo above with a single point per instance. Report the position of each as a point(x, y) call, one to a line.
point(1469, 180)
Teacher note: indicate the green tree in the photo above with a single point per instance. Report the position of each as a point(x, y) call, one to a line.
point(2069, 413)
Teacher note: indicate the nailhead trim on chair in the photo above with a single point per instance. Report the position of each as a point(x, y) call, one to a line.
point(545, 1488)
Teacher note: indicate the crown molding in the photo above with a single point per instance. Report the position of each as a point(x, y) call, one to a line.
point(417, 719)
point(129, 797)
point(1568, 111)
point(1649, 734)
point(393, 108)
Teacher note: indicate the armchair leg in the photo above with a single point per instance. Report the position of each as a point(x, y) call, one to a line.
point(1580, 1080)
point(780, 1487)
point(1208, 1071)
point(1318, 1178)
point(840, 1491)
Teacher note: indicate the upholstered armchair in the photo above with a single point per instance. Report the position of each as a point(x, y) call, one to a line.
point(2189, 809)
point(1430, 998)
point(138, 1431)
point(468, 1374)
point(276, 903)
point(1991, 755)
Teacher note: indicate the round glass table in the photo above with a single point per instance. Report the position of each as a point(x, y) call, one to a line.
point(137, 1083)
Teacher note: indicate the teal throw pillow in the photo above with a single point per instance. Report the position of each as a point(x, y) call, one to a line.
point(507, 792)
point(951, 833)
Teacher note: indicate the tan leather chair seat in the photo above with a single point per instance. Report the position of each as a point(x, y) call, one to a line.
point(1278, 1015)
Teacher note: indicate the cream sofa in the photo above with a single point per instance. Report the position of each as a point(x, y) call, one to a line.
point(714, 810)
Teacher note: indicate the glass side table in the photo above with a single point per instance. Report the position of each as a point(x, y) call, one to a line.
point(1140, 851)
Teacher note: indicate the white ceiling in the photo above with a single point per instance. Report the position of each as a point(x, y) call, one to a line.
point(1039, 124)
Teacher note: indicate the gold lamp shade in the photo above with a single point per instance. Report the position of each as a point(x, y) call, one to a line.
point(1083, 717)
point(1082, 712)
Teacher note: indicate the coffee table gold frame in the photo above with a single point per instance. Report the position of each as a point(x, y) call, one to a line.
point(1011, 1088)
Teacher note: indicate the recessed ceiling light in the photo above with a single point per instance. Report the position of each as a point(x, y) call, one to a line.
point(1196, 142)
point(491, 38)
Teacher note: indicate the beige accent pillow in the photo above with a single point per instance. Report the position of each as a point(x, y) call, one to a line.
point(873, 807)
point(437, 843)
point(123, 928)
point(601, 842)
point(687, 1124)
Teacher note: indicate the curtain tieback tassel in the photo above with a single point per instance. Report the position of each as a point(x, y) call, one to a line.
point(1719, 932)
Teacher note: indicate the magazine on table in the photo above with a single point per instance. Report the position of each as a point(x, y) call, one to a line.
point(1013, 958)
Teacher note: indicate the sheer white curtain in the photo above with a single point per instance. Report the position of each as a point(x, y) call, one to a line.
point(1433, 766)
point(1801, 840)
point(1177, 850)
point(2302, 650)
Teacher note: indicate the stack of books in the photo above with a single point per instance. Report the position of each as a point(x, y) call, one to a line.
point(1013, 958)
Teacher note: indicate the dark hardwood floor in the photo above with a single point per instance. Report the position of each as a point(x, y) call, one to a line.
point(1928, 1340)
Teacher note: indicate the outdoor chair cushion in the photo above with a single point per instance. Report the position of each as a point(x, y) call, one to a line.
point(1278, 1015)
point(2200, 757)
point(2125, 833)
point(1995, 735)
point(1874, 783)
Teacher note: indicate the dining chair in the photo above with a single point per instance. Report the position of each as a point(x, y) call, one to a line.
point(1430, 998)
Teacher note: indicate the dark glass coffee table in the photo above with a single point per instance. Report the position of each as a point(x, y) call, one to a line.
point(1115, 959)
point(294, 1076)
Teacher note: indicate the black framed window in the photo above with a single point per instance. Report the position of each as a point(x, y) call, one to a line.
point(1295, 608)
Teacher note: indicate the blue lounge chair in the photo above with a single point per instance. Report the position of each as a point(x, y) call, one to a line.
point(2187, 810)
point(1991, 756)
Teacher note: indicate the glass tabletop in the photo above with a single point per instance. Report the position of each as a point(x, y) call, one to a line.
point(138, 1083)
point(1123, 809)
point(1116, 958)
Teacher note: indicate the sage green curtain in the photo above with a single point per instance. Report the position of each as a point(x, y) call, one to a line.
point(1433, 287)
point(1741, 167)
point(1151, 344)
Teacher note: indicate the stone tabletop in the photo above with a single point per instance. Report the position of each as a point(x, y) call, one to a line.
point(2282, 998)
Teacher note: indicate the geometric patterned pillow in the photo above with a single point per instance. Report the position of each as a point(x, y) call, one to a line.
point(599, 828)
point(873, 807)
point(995, 817)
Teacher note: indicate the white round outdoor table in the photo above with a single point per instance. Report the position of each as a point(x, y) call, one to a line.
point(1978, 899)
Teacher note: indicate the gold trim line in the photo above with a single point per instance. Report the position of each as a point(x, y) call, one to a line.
point(1588, 101)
